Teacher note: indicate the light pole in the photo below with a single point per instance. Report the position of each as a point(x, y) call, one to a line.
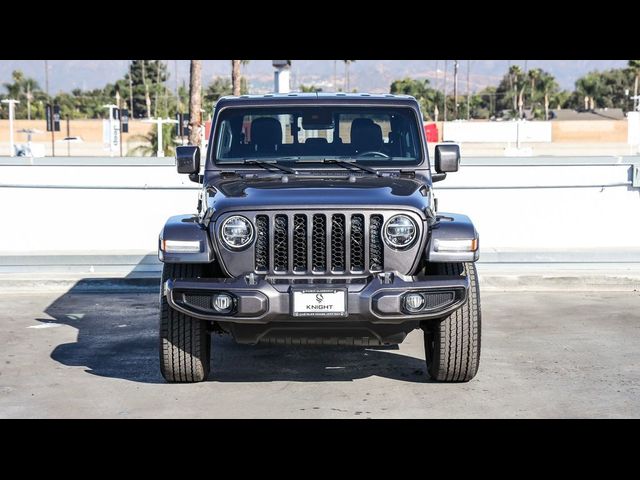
point(455, 89)
point(159, 122)
point(12, 104)
point(445, 91)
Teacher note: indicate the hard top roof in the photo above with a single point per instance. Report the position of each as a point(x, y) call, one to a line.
point(317, 98)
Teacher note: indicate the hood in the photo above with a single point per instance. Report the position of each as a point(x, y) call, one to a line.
point(300, 192)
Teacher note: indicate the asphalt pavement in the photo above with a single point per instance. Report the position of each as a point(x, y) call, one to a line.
point(552, 354)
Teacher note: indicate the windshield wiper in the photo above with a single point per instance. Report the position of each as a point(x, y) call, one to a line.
point(267, 165)
point(343, 163)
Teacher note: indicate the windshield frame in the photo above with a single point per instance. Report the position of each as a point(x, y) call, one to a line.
point(422, 162)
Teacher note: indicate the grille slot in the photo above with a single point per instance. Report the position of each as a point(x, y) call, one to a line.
point(357, 242)
point(280, 244)
point(319, 243)
point(376, 249)
point(262, 243)
point(299, 243)
point(337, 243)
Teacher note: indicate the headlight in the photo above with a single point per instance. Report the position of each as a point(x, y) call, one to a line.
point(400, 232)
point(236, 232)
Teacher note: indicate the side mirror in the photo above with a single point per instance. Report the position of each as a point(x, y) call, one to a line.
point(447, 158)
point(188, 159)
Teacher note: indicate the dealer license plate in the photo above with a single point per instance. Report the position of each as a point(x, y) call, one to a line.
point(325, 302)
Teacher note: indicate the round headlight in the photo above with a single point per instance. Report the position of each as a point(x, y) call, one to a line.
point(400, 232)
point(236, 232)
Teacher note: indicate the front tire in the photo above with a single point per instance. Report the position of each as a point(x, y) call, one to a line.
point(185, 342)
point(452, 345)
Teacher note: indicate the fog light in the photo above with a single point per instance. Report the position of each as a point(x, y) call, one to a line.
point(222, 303)
point(413, 302)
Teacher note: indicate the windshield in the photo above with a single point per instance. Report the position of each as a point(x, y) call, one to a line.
point(378, 136)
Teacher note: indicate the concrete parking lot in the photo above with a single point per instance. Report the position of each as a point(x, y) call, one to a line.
point(544, 355)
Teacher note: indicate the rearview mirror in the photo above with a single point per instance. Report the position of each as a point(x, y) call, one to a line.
point(188, 159)
point(447, 158)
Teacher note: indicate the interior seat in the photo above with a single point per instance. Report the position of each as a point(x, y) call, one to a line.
point(366, 136)
point(266, 135)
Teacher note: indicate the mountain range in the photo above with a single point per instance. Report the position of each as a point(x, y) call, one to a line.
point(373, 76)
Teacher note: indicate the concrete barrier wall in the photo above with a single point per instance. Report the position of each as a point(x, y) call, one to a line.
point(515, 206)
point(592, 131)
point(496, 131)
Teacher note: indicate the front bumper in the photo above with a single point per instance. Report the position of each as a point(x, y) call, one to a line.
point(261, 299)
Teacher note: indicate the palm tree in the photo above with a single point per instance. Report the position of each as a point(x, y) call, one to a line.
point(515, 72)
point(634, 66)
point(347, 64)
point(589, 86)
point(149, 145)
point(195, 101)
point(548, 85)
point(534, 76)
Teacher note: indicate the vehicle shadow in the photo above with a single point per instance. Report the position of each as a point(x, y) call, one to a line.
point(118, 338)
point(266, 363)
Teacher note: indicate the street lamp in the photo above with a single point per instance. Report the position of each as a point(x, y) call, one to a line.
point(12, 104)
point(159, 122)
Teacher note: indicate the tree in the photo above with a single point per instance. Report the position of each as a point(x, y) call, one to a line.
point(146, 76)
point(548, 86)
point(195, 101)
point(25, 90)
point(427, 97)
point(634, 66)
point(149, 145)
point(534, 76)
point(219, 87)
point(310, 89)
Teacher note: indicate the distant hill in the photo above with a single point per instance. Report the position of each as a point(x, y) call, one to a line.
point(365, 75)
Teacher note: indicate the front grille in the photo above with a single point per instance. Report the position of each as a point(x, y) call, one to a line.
point(331, 243)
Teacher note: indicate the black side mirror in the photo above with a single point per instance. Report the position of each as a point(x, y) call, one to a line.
point(188, 159)
point(447, 158)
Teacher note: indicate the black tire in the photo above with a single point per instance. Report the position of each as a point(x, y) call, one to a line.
point(185, 342)
point(452, 346)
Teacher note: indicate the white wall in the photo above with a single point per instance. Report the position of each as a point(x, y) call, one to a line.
point(502, 132)
point(128, 211)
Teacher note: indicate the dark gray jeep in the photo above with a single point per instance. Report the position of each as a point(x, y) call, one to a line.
point(317, 224)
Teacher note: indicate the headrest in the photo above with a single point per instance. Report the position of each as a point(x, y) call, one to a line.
point(366, 135)
point(266, 133)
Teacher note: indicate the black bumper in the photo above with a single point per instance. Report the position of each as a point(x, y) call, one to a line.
point(260, 300)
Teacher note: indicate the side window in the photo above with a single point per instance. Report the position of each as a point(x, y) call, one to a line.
point(226, 137)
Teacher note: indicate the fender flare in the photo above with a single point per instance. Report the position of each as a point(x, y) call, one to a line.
point(452, 226)
point(185, 228)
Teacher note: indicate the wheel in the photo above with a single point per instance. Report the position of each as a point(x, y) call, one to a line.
point(452, 345)
point(185, 342)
